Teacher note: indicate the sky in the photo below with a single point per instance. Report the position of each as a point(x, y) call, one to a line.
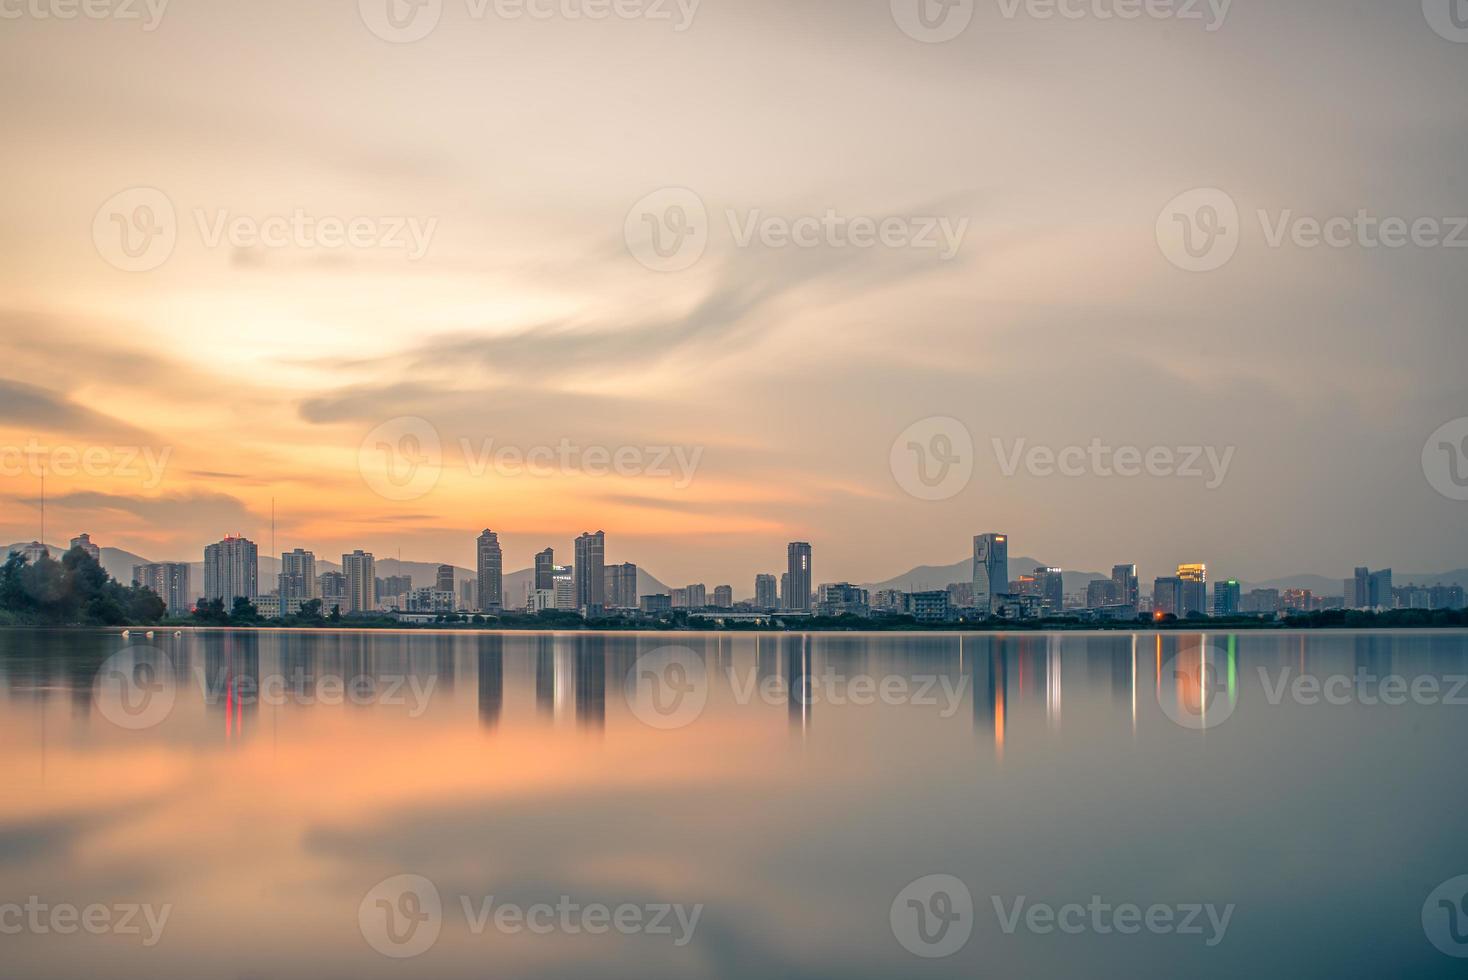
point(736, 274)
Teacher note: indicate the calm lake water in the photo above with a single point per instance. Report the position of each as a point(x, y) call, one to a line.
point(258, 804)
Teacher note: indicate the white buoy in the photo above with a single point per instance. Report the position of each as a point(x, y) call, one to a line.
point(149, 634)
point(178, 632)
point(124, 632)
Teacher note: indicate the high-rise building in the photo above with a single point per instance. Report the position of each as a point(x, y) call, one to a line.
point(84, 542)
point(231, 570)
point(1102, 592)
point(723, 597)
point(784, 590)
point(1128, 590)
point(564, 586)
point(444, 579)
point(1355, 592)
point(991, 571)
point(169, 580)
point(394, 586)
point(590, 573)
point(843, 599)
point(1379, 590)
point(798, 567)
point(621, 586)
point(360, 569)
point(331, 587)
point(33, 552)
point(1260, 601)
point(1193, 595)
point(1227, 598)
point(545, 571)
point(765, 594)
point(491, 568)
point(297, 578)
point(468, 593)
point(1050, 587)
point(1167, 598)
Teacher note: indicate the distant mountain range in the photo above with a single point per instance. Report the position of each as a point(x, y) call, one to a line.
point(927, 578)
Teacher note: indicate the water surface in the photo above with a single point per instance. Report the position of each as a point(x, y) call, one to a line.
point(263, 786)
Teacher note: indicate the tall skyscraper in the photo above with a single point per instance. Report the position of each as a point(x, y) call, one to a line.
point(491, 570)
point(1356, 589)
point(231, 570)
point(84, 542)
point(591, 573)
point(444, 580)
point(765, 596)
point(1167, 597)
point(1379, 590)
point(698, 596)
point(798, 567)
point(1128, 592)
point(991, 571)
point(621, 586)
point(1227, 598)
point(468, 593)
point(169, 580)
point(360, 568)
point(784, 590)
point(723, 597)
point(545, 571)
point(297, 579)
point(1050, 586)
point(1193, 596)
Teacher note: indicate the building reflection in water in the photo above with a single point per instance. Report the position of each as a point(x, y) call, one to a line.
point(491, 657)
point(797, 652)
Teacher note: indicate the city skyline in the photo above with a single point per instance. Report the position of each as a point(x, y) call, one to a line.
point(232, 374)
